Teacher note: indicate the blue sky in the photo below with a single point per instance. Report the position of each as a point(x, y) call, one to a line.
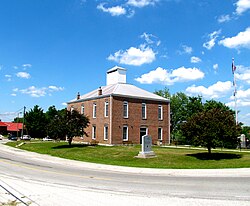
point(52, 49)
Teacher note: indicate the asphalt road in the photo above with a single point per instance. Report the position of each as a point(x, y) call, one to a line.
point(34, 179)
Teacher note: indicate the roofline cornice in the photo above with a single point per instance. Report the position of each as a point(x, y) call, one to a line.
point(119, 95)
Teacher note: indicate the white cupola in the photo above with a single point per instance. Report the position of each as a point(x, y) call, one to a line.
point(116, 75)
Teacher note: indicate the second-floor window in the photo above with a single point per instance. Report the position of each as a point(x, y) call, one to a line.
point(82, 109)
point(94, 110)
point(144, 111)
point(125, 109)
point(160, 112)
point(106, 109)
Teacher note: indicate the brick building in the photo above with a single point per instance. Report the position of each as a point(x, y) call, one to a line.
point(122, 113)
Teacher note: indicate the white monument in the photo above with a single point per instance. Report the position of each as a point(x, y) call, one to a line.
point(146, 148)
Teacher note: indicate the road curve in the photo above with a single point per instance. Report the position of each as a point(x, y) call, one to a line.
point(37, 179)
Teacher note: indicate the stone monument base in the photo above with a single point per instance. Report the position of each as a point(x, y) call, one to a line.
point(146, 155)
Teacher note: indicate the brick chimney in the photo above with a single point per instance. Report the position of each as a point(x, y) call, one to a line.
point(78, 96)
point(100, 91)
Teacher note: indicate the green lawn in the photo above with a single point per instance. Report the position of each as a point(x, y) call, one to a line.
point(174, 158)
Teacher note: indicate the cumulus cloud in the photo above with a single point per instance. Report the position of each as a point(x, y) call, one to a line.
point(195, 59)
point(38, 92)
point(55, 88)
point(114, 11)
point(242, 6)
point(185, 50)
point(215, 66)
point(241, 40)
point(212, 39)
point(141, 3)
point(150, 39)
point(27, 65)
point(162, 76)
point(243, 99)
point(23, 75)
point(243, 73)
point(8, 77)
point(134, 56)
point(224, 18)
point(214, 91)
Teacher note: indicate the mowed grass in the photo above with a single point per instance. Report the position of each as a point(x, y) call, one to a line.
point(168, 158)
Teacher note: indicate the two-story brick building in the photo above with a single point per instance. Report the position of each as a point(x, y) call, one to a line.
point(121, 112)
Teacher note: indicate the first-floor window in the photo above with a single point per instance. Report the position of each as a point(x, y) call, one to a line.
point(159, 133)
point(125, 133)
point(93, 132)
point(105, 132)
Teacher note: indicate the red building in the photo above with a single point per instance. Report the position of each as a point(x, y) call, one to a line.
point(122, 113)
point(11, 128)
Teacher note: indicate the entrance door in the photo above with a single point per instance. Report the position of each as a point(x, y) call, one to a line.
point(143, 131)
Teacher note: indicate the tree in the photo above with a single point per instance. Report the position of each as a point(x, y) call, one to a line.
point(178, 113)
point(211, 104)
point(75, 124)
point(36, 122)
point(56, 128)
point(163, 93)
point(212, 128)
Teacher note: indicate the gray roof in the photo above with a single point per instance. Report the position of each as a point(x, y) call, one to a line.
point(123, 90)
point(116, 68)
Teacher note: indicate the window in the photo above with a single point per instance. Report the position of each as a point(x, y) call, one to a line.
point(105, 132)
point(125, 109)
point(160, 115)
point(125, 133)
point(106, 109)
point(94, 110)
point(93, 132)
point(82, 109)
point(71, 109)
point(144, 111)
point(159, 133)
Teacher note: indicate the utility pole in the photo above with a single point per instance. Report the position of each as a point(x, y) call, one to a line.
point(235, 92)
point(23, 119)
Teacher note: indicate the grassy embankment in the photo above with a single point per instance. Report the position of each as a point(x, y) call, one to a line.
point(174, 158)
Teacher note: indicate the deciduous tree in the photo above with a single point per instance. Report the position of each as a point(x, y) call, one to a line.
point(212, 128)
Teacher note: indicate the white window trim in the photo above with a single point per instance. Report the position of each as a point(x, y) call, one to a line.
point(104, 133)
point(125, 116)
point(145, 117)
point(94, 110)
point(93, 132)
point(106, 104)
point(125, 126)
point(82, 109)
point(161, 133)
point(160, 106)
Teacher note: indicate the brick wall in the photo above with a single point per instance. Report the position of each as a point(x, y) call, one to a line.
point(134, 121)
